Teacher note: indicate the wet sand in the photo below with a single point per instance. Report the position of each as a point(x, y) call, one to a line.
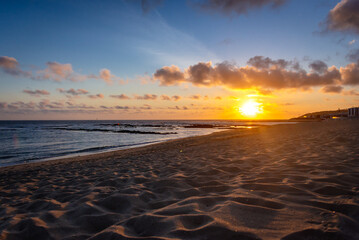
point(280, 182)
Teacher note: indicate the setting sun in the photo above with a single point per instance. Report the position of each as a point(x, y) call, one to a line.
point(251, 108)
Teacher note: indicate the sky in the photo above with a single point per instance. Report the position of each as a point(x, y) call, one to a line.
point(190, 59)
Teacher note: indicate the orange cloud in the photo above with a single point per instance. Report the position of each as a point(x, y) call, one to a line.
point(57, 72)
point(263, 74)
point(106, 75)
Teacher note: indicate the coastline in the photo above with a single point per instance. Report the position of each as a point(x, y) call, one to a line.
point(284, 181)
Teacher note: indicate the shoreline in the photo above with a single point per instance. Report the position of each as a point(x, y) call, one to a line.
point(115, 153)
point(285, 182)
point(103, 149)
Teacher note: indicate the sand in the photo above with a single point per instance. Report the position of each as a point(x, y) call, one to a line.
point(281, 182)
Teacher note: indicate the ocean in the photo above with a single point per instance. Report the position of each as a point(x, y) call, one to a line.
point(29, 141)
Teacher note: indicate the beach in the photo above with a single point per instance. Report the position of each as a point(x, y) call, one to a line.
point(298, 181)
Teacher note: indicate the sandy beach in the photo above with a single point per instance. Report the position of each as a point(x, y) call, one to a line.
point(280, 182)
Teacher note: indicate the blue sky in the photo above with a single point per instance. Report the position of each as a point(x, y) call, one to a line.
point(133, 44)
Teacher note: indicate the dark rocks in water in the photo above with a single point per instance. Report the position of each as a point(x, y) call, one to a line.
point(113, 131)
point(200, 126)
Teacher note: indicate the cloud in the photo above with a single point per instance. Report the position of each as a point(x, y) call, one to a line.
point(8, 63)
point(60, 72)
point(145, 107)
point(344, 17)
point(350, 74)
point(179, 108)
point(165, 97)
point(57, 72)
point(36, 93)
point(47, 104)
point(195, 97)
point(122, 107)
point(97, 96)
point(176, 98)
point(218, 98)
point(106, 75)
point(169, 75)
point(228, 7)
point(266, 63)
point(332, 89)
point(318, 66)
point(121, 96)
point(146, 97)
point(265, 75)
point(168, 98)
point(11, 66)
point(73, 92)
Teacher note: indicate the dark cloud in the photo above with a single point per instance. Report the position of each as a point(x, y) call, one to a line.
point(97, 96)
point(122, 107)
point(318, 66)
point(195, 97)
point(169, 75)
point(218, 98)
point(228, 7)
point(36, 93)
point(261, 62)
point(121, 96)
point(73, 92)
point(332, 89)
point(265, 75)
point(8, 63)
point(11, 66)
point(176, 98)
point(178, 108)
point(344, 16)
point(146, 97)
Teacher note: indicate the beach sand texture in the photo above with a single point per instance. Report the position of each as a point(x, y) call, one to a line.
point(281, 182)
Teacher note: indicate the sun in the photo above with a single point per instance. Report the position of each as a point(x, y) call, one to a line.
point(251, 108)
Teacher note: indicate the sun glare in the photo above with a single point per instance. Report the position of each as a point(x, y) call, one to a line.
point(251, 108)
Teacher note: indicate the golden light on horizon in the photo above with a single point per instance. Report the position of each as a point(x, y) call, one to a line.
point(250, 108)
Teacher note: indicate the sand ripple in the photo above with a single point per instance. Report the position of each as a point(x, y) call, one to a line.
point(282, 182)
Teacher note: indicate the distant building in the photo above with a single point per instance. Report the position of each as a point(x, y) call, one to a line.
point(353, 112)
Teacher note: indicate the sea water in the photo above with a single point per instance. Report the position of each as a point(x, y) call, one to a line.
point(29, 141)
